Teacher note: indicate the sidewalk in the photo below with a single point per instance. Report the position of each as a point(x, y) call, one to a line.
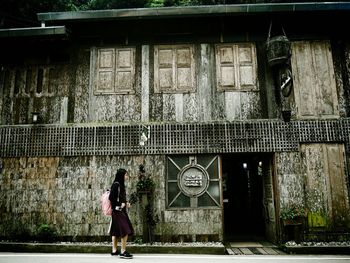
point(72, 247)
point(210, 248)
point(325, 248)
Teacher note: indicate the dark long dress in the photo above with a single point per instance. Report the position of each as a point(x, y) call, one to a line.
point(121, 225)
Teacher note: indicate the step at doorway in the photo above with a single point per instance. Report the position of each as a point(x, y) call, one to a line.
point(252, 248)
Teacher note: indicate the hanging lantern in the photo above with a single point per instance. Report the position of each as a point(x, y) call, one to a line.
point(278, 48)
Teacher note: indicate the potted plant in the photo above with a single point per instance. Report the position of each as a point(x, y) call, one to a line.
point(145, 185)
point(292, 214)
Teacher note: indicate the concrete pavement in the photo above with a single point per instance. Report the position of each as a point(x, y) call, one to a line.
point(178, 248)
point(169, 258)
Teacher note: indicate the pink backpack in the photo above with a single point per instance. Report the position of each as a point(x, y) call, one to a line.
point(106, 204)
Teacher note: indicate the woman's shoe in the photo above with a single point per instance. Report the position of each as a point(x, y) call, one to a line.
point(126, 255)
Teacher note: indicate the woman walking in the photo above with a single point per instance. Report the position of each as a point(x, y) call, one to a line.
point(121, 227)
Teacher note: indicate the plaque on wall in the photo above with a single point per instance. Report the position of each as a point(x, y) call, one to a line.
point(193, 179)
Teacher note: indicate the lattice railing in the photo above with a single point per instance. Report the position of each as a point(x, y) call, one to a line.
point(227, 137)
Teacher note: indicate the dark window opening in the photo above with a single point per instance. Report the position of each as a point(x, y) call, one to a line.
point(39, 81)
point(28, 81)
point(17, 82)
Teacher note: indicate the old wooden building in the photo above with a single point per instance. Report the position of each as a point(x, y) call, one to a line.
point(239, 113)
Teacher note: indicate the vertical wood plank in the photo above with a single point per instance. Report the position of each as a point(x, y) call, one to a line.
point(232, 105)
point(145, 84)
point(204, 84)
point(303, 77)
point(337, 185)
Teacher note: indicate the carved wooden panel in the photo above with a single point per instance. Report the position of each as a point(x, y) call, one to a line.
point(314, 82)
point(236, 66)
point(174, 69)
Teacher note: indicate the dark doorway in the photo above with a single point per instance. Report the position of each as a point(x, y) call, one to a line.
point(243, 196)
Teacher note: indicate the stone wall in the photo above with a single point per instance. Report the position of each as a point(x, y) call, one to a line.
point(65, 193)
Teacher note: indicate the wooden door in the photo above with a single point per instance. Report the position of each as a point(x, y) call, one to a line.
point(327, 198)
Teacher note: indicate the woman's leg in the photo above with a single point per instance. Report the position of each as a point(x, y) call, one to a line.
point(114, 244)
point(123, 243)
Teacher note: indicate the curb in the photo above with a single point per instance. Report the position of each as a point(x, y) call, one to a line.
point(320, 250)
point(106, 249)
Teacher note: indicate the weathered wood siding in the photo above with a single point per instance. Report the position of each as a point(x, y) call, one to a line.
point(28, 89)
point(289, 179)
point(114, 84)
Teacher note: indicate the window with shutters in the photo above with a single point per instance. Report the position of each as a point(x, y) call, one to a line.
point(313, 79)
point(174, 69)
point(114, 70)
point(236, 67)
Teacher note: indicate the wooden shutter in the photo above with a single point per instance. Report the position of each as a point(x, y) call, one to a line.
point(184, 68)
point(226, 67)
point(173, 69)
point(236, 66)
point(125, 70)
point(313, 76)
point(105, 71)
point(246, 66)
point(164, 74)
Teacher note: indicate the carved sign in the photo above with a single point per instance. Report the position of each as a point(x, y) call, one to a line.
point(193, 180)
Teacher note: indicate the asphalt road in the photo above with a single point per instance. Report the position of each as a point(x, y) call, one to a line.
point(171, 258)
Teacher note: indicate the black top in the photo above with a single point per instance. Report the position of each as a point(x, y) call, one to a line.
point(117, 191)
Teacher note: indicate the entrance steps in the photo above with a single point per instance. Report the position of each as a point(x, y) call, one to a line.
point(252, 248)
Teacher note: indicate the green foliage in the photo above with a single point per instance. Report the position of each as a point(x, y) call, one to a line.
point(155, 3)
point(116, 4)
point(145, 184)
point(291, 212)
point(46, 233)
point(138, 240)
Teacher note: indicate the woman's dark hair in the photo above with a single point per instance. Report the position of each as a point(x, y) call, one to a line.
point(119, 176)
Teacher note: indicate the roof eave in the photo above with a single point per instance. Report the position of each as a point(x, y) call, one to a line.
point(165, 12)
point(33, 31)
